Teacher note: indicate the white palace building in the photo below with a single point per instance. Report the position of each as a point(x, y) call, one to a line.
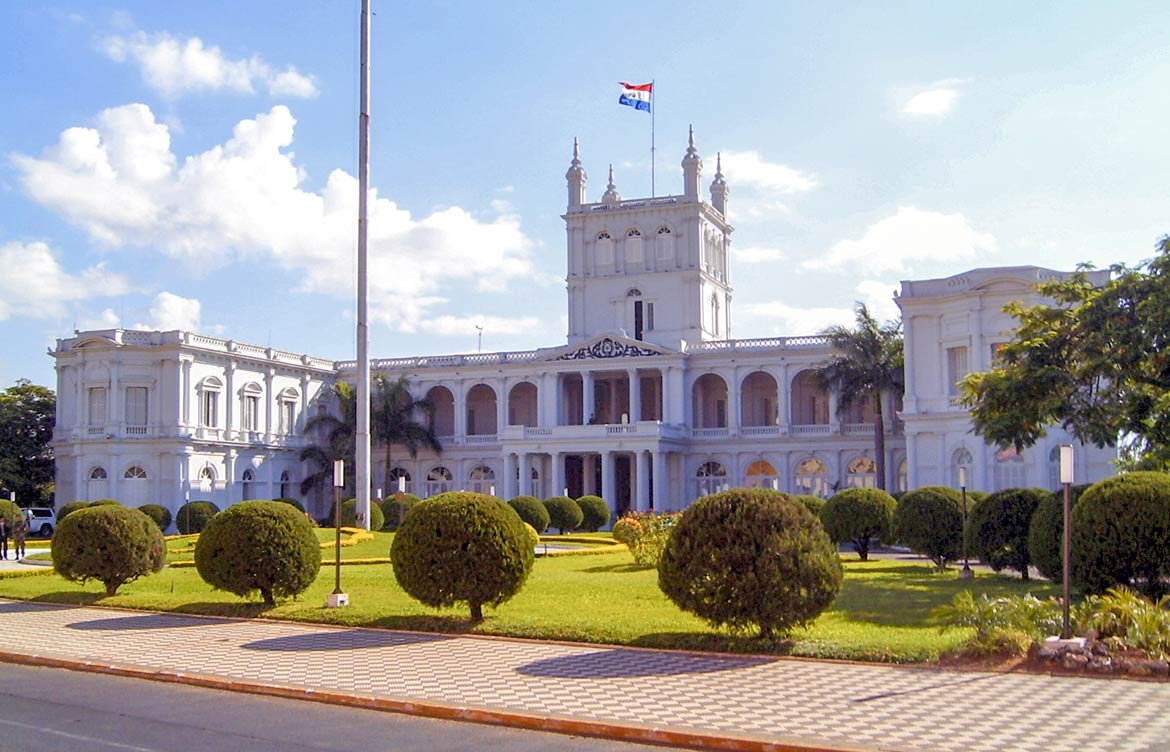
point(650, 403)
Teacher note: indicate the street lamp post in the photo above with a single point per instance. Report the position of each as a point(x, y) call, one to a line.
point(966, 572)
point(1066, 478)
point(337, 599)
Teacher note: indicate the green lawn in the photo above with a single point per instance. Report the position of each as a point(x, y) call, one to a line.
point(883, 613)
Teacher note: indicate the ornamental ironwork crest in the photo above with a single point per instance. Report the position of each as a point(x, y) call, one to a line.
point(607, 348)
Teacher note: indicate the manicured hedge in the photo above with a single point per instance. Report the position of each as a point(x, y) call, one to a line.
point(859, 515)
point(531, 510)
point(563, 513)
point(997, 528)
point(157, 512)
point(1121, 534)
point(193, 516)
point(929, 520)
point(594, 513)
point(1046, 530)
point(111, 544)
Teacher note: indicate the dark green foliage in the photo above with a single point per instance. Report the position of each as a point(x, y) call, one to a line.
point(111, 544)
point(394, 509)
point(974, 497)
point(10, 512)
point(27, 412)
point(812, 503)
point(997, 528)
point(292, 503)
point(563, 513)
point(1045, 531)
point(69, 508)
point(594, 513)
point(750, 557)
point(349, 515)
point(929, 520)
point(531, 511)
point(1121, 534)
point(105, 503)
point(860, 515)
point(263, 546)
point(193, 516)
point(160, 514)
point(462, 547)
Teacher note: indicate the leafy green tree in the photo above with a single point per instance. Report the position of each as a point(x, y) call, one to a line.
point(868, 364)
point(393, 421)
point(1095, 360)
point(336, 441)
point(27, 414)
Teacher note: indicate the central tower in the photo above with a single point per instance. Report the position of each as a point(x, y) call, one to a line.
point(653, 268)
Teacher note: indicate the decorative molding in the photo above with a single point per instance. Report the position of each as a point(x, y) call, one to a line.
point(607, 348)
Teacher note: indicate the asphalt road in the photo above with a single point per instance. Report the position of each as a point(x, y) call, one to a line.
point(55, 710)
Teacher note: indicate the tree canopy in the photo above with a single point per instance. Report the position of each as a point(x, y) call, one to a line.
point(27, 414)
point(1094, 360)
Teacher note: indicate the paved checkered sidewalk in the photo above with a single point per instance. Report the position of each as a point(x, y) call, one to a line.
point(784, 701)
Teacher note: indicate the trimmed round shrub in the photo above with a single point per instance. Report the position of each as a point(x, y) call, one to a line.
point(111, 544)
point(997, 528)
point(462, 547)
point(105, 503)
point(531, 511)
point(563, 513)
point(349, 515)
point(263, 546)
point(292, 503)
point(394, 509)
point(627, 529)
point(750, 558)
point(812, 503)
point(1121, 534)
point(533, 536)
point(1046, 530)
point(157, 512)
point(929, 520)
point(193, 516)
point(859, 515)
point(69, 508)
point(594, 513)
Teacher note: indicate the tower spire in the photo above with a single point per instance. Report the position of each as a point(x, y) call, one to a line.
point(719, 189)
point(692, 166)
point(576, 178)
point(611, 195)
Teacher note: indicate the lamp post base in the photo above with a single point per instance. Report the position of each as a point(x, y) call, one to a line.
point(966, 573)
point(336, 600)
point(1055, 642)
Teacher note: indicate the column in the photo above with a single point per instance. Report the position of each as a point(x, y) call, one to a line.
point(607, 478)
point(505, 485)
point(229, 402)
point(661, 487)
point(912, 460)
point(834, 419)
point(502, 406)
point(642, 477)
point(524, 476)
point(586, 396)
point(733, 403)
point(460, 411)
point(556, 474)
point(911, 397)
point(185, 394)
point(229, 480)
point(588, 476)
point(635, 395)
point(117, 412)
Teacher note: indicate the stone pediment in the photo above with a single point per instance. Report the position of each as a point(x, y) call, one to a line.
point(608, 346)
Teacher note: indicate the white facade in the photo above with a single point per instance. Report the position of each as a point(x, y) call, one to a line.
point(650, 403)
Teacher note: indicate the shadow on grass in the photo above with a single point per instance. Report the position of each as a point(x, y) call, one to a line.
point(350, 639)
point(70, 597)
point(618, 663)
point(714, 642)
point(427, 623)
point(617, 569)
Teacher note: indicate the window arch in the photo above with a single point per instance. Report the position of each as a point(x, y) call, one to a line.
point(664, 244)
point(207, 479)
point(250, 406)
point(285, 485)
point(248, 484)
point(810, 400)
point(96, 487)
point(604, 251)
point(634, 232)
point(710, 478)
point(98, 473)
point(286, 402)
point(762, 474)
point(135, 472)
point(709, 401)
point(604, 235)
point(482, 479)
point(861, 473)
point(439, 480)
point(634, 293)
point(209, 390)
point(812, 477)
point(634, 245)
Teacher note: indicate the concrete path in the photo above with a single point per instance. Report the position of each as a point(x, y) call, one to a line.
point(681, 699)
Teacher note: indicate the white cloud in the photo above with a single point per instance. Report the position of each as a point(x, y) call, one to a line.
point(879, 296)
point(495, 326)
point(911, 234)
point(757, 255)
point(122, 184)
point(936, 101)
point(749, 169)
point(107, 319)
point(170, 311)
point(34, 284)
point(789, 320)
point(174, 66)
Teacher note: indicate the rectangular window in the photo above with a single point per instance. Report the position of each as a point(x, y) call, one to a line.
point(956, 369)
point(136, 406)
point(665, 247)
point(604, 256)
point(288, 417)
point(97, 406)
point(209, 412)
point(251, 416)
point(649, 317)
point(638, 320)
point(634, 249)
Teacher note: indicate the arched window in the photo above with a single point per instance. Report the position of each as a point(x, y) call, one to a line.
point(664, 244)
point(861, 473)
point(135, 472)
point(481, 411)
point(604, 252)
point(758, 395)
point(248, 484)
point(482, 479)
point(207, 479)
point(761, 474)
point(250, 407)
point(812, 477)
point(97, 486)
point(209, 389)
point(709, 402)
point(98, 473)
point(710, 478)
point(439, 480)
point(961, 458)
point(634, 245)
point(903, 476)
point(810, 400)
point(395, 475)
point(285, 485)
point(287, 410)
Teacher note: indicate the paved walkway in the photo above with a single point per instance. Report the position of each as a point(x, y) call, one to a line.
point(728, 702)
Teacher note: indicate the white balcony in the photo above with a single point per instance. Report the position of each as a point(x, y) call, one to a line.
point(820, 429)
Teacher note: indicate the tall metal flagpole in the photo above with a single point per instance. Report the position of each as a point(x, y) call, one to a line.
point(653, 108)
point(362, 470)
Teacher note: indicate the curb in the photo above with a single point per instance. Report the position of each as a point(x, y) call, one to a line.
point(668, 737)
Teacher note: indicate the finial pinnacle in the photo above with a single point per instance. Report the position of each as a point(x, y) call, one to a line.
point(691, 138)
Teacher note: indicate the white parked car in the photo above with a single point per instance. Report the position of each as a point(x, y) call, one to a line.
point(41, 521)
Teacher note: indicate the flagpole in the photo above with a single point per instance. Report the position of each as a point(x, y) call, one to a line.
point(362, 437)
point(653, 107)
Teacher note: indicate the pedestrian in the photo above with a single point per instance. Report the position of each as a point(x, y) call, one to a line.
point(19, 533)
point(3, 537)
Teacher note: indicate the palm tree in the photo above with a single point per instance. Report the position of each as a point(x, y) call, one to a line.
point(338, 432)
point(867, 365)
point(393, 421)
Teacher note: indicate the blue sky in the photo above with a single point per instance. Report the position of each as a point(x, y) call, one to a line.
point(193, 165)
